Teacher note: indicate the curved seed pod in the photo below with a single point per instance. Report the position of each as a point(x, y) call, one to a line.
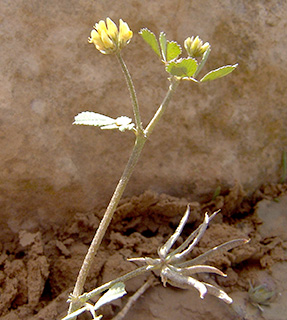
point(163, 251)
point(218, 293)
point(201, 231)
point(198, 269)
point(183, 282)
point(214, 252)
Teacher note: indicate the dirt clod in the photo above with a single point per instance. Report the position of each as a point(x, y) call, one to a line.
point(38, 274)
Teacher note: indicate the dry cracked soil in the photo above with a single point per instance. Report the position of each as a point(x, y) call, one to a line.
point(38, 269)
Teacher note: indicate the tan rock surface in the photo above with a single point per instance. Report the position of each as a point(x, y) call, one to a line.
point(231, 130)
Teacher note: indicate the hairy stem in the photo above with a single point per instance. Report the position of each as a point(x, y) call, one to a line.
point(173, 85)
point(140, 141)
point(135, 273)
point(133, 95)
point(141, 138)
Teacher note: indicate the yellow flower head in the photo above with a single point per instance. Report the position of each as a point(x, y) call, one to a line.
point(107, 38)
point(195, 47)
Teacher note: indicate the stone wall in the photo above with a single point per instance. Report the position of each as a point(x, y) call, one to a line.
point(229, 130)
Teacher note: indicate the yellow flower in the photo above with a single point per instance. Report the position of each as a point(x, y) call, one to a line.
point(112, 29)
point(195, 47)
point(125, 34)
point(106, 37)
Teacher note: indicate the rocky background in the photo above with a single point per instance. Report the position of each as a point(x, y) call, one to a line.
point(228, 131)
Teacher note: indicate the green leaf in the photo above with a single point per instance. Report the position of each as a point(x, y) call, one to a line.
point(150, 39)
point(173, 50)
point(115, 292)
point(182, 68)
point(163, 43)
point(218, 73)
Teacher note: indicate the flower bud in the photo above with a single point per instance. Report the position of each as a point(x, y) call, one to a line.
point(195, 47)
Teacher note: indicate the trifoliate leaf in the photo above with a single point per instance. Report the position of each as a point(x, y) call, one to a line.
point(163, 43)
point(150, 39)
point(173, 50)
point(115, 292)
point(99, 120)
point(182, 68)
point(218, 73)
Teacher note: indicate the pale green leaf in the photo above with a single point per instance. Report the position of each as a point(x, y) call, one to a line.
point(173, 50)
point(92, 119)
point(151, 40)
point(163, 43)
point(99, 120)
point(115, 292)
point(87, 307)
point(218, 73)
point(182, 68)
point(203, 61)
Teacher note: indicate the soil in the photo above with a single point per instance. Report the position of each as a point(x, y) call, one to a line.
point(38, 269)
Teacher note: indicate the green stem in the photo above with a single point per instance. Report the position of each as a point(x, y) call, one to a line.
point(140, 141)
point(132, 93)
point(141, 138)
point(174, 83)
point(135, 273)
